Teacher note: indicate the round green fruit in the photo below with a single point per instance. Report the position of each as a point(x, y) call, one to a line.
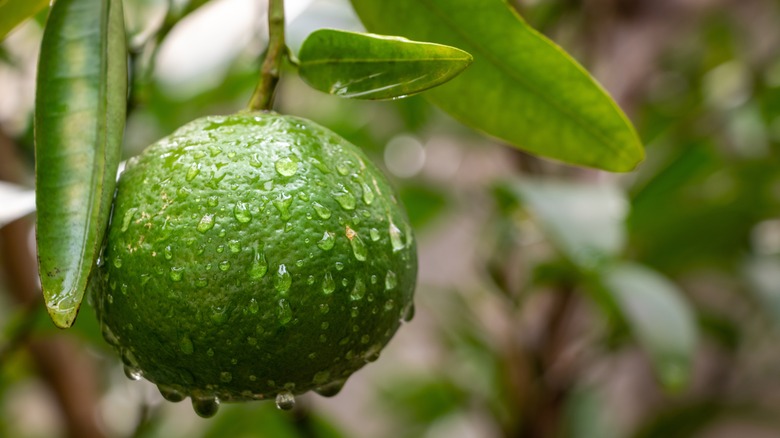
point(253, 256)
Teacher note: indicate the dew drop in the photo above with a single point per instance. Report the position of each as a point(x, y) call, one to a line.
point(330, 389)
point(224, 265)
point(374, 279)
point(368, 195)
point(374, 233)
point(259, 266)
point(176, 273)
point(285, 400)
point(359, 290)
point(242, 213)
point(391, 280)
point(206, 223)
point(171, 394)
point(132, 373)
point(286, 166)
point(185, 344)
point(345, 199)
point(327, 241)
point(284, 312)
point(282, 203)
point(339, 266)
point(343, 168)
point(201, 282)
point(234, 246)
point(255, 162)
point(283, 279)
point(168, 253)
point(389, 304)
point(127, 218)
point(205, 406)
point(358, 247)
point(213, 201)
point(324, 309)
point(254, 306)
point(328, 285)
point(396, 238)
point(193, 171)
point(322, 211)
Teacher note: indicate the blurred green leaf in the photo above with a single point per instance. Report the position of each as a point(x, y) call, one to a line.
point(587, 415)
point(79, 122)
point(421, 401)
point(367, 66)
point(14, 12)
point(522, 88)
point(585, 221)
point(661, 320)
point(253, 420)
point(423, 203)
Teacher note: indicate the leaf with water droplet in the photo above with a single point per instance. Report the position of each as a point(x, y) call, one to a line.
point(367, 66)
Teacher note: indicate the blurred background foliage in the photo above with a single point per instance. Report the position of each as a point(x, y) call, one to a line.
point(552, 301)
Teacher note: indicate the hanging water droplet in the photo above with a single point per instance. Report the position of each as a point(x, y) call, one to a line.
point(285, 400)
point(322, 211)
point(282, 204)
point(328, 285)
point(176, 273)
point(132, 373)
point(193, 171)
point(206, 223)
point(254, 306)
point(391, 280)
point(368, 195)
point(171, 394)
point(205, 406)
point(327, 241)
point(408, 314)
point(284, 312)
point(330, 389)
point(345, 199)
point(358, 290)
point(185, 344)
point(283, 279)
point(242, 213)
point(286, 166)
point(259, 266)
point(127, 218)
point(396, 238)
point(321, 378)
point(374, 233)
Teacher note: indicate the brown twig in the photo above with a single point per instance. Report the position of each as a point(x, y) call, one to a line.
point(263, 97)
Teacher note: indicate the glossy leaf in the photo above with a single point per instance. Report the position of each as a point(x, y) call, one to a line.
point(14, 12)
point(585, 221)
point(367, 66)
point(521, 88)
point(79, 121)
point(659, 317)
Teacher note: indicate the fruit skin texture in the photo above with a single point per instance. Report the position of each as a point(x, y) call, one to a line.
point(253, 255)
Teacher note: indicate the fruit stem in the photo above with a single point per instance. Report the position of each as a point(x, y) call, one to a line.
point(263, 97)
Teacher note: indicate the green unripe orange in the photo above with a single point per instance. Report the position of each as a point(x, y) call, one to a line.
point(253, 256)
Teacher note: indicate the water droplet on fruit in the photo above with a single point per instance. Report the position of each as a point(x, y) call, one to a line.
point(345, 199)
point(389, 304)
point(132, 373)
point(328, 285)
point(206, 223)
point(339, 266)
point(171, 394)
point(255, 162)
point(224, 265)
point(374, 233)
point(176, 273)
point(343, 167)
point(359, 290)
point(391, 280)
point(396, 238)
point(168, 253)
point(127, 218)
point(286, 166)
point(368, 195)
point(213, 201)
point(201, 282)
point(327, 241)
point(242, 213)
point(234, 246)
point(321, 377)
point(117, 262)
point(285, 400)
point(284, 312)
point(254, 306)
point(225, 377)
point(205, 406)
point(408, 314)
point(282, 203)
point(330, 389)
point(283, 279)
point(186, 345)
point(193, 171)
point(322, 211)
point(358, 247)
point(259, 266)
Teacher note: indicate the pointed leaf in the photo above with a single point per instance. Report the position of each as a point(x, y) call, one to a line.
point(367, 66)
point(660, 318)
point(14, 12)
point(585, 221)
point(522, 88)
point(79, 122)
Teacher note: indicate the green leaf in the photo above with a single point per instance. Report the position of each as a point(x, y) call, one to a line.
point(14, 12)
point(79, 121)
point(584, 221)
point(522, 88)
point(367, 66)
point(659, 317)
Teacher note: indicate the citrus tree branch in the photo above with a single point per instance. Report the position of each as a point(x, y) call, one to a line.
point(263, 97)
